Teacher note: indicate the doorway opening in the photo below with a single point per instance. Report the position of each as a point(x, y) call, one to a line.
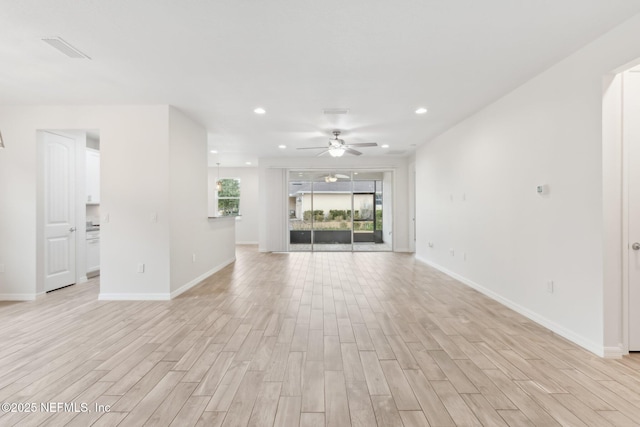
point(631, 200)
point(68, 218)
point(339, 210)
point(621, 208)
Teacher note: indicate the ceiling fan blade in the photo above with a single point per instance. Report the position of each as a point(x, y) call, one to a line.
point(311, 148)
point(364, 144)
point(352, 151)
point(342, 176)
point(324, 152)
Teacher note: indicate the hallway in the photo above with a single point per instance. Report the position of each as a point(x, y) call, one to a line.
point(305, 339)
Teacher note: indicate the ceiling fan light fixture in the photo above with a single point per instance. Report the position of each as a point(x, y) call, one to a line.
point(336, 151)
point(421, 110)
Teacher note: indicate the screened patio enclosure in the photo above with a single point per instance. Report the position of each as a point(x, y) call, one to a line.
point(339, 211)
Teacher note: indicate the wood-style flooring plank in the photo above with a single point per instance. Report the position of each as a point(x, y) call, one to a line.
point(288, 413)
point(310, 339)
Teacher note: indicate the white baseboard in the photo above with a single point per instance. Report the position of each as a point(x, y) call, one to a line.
point(83, 279)
point(541, 320)
point(614, 352)
point(17, 297)
point(164, 296)
point(246, 243)
point(403, 250)
point(134, 297)
point(200, 278)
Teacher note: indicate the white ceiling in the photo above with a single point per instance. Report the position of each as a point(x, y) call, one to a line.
point(218, 60)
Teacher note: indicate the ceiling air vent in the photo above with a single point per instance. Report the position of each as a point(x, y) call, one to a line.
point(335, 110)
point(64, 47)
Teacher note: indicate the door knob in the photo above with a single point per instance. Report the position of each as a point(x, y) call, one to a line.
point(72, 229)
point(636, 246)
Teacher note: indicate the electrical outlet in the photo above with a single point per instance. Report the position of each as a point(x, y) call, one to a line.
point(193, 257)
point(105, 219)
point(550, 286)
point(140, 268)
point(464, 256)
point(452, 252)
point(154, 217)
point(430, 244)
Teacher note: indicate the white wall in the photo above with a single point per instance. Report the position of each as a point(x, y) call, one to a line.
point(130, 136)
point(477, 195)
point(274, 202)
point(273, 210)
point(192, 233)
point(247, 224)
point(135, 183)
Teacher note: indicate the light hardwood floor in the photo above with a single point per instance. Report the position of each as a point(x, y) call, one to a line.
point(332, 339)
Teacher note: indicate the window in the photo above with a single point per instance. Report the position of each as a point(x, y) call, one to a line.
point(229, 197)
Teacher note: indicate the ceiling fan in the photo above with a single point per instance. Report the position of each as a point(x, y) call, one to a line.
point(337, 147)
point(334, 177)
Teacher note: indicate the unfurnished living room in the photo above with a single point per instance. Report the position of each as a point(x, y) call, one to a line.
point(336, 213)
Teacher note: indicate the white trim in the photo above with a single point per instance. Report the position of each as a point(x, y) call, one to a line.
point(624, 224)
point(407, 250)
point(18, 297)
point(247, 243)
point(614, 352)
point(164, 296)
point(200, 278)
point(83, 279)
point(543, 321)
point(134, 297)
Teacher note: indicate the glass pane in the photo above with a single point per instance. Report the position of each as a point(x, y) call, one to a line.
point(337, 211)
point(331, 212)
point(228, 207)
point(230, 187)
point(379, 205)
point(299, 223)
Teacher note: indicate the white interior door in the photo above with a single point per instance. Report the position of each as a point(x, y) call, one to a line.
point(59, 211)
point(631, 117)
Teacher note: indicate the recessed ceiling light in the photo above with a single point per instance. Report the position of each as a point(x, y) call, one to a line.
point(355, 173)
point(421, 110)
point(214, 151)
point(247, 163)
point(282, 146)
point(385, 145)
point(259, 110)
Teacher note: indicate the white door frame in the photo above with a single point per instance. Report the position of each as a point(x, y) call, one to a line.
point(627, 187)
point(80, 208)
point(615, 173)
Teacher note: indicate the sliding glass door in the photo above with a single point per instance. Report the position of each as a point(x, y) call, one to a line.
point(332, 212)
point(336, 211)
